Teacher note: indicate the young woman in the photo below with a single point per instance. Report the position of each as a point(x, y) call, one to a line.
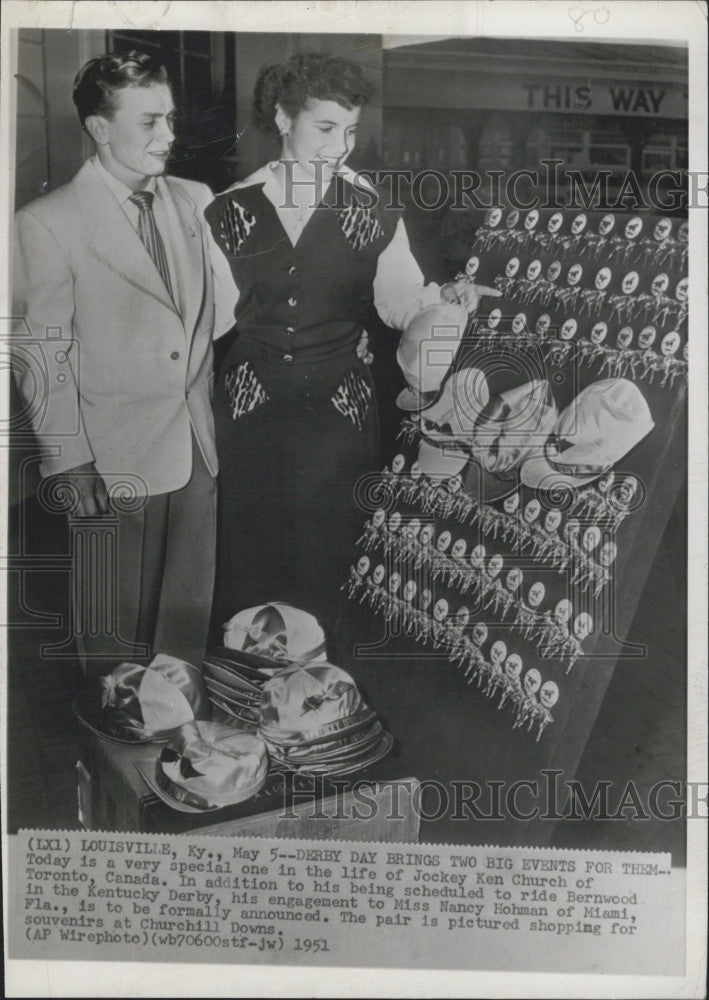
point(310, 246)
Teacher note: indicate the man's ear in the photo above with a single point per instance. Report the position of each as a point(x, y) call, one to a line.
point(98, 128)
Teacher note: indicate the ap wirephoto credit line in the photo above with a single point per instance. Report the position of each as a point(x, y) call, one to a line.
point(355, 499)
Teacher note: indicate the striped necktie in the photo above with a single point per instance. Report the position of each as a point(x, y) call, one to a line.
point(149, 234)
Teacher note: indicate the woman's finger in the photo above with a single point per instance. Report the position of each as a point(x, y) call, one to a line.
point(486, 290)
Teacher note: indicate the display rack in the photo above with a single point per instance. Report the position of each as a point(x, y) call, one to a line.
point(448, 579)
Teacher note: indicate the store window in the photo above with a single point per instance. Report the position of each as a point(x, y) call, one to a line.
point(201, 68)
point(664, 152)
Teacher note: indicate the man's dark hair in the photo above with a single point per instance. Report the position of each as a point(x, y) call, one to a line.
point(99, 79)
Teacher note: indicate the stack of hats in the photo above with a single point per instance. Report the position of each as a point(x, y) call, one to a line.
point(140, 704)
point(208, 765)
point(234, 681)
point(278, 633)
point(258, 643)
point(314, 721)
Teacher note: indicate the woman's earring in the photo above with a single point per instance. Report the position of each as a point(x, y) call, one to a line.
point(284, 132)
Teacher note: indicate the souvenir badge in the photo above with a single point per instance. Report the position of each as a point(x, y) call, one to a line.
point(398, 464)
point(598, 333)
point(583, 625)
point(440, 609)
point(591, 538)
point(531, 219)
point(444, 540)
point(662, 230)
point(563, 611)
point(685, 351)
point(543, 323)
point(660, 283)
point(534, 270)
point(549, 694)
point(462, 617)
point(479, 633)
point(531, 510)
point(378, 574)
point(532, 681)
point(362, 565)
point(606, 224)
point(512, 267)
point(459, 548)
point(630, 281)
point(455, 484)
point(498, 652)
point(378, 518)
point(646, 337)
point(555, 222)
point(579, 224)
point(552, 520)
point(633, 228)
point(554, 270)
point(413, 527)
point(394, 583)
point(409, 590)
point(604, 483)
point(494, 566)
point(513, 580)
point(670, 343)
point(625, 337)
point(519, 323)
point(514, 666)
point(536, 594)
point(494, 319)
point(568, 329)
point(415, 471)
point(471, 268)
point(493, 218)
point(425, 599)
point(511, 503)
point(683, 232)
point(477, 556)
point(426, 534)
point(602, 279)
point(681, 291)
point(512, 219)
point(574, 275)
point(607, 553)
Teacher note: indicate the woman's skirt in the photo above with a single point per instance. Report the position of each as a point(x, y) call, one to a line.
point(295, 442)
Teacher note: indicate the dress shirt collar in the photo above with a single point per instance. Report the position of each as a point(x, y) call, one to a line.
point(120, 191)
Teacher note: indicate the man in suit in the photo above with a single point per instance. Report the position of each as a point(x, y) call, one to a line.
point(121, 293)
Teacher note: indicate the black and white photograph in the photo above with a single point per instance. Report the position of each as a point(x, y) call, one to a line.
point(354, 498)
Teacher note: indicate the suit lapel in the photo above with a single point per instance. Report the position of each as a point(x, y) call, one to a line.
point(113, 239)
point(186, 248)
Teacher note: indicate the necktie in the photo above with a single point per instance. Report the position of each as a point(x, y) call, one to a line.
point(149, 234)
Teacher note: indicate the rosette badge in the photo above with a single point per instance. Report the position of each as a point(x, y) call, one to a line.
point(140, 704)
point(315, 720)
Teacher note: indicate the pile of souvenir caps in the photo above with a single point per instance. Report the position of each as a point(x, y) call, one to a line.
point(258, 642)
point(315, 721)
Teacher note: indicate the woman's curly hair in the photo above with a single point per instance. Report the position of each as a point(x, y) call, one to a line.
point(308, 76)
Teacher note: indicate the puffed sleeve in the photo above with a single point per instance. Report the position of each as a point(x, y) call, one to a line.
point(399, 289)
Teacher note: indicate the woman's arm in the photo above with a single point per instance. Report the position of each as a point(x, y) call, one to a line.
point(399, 289)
